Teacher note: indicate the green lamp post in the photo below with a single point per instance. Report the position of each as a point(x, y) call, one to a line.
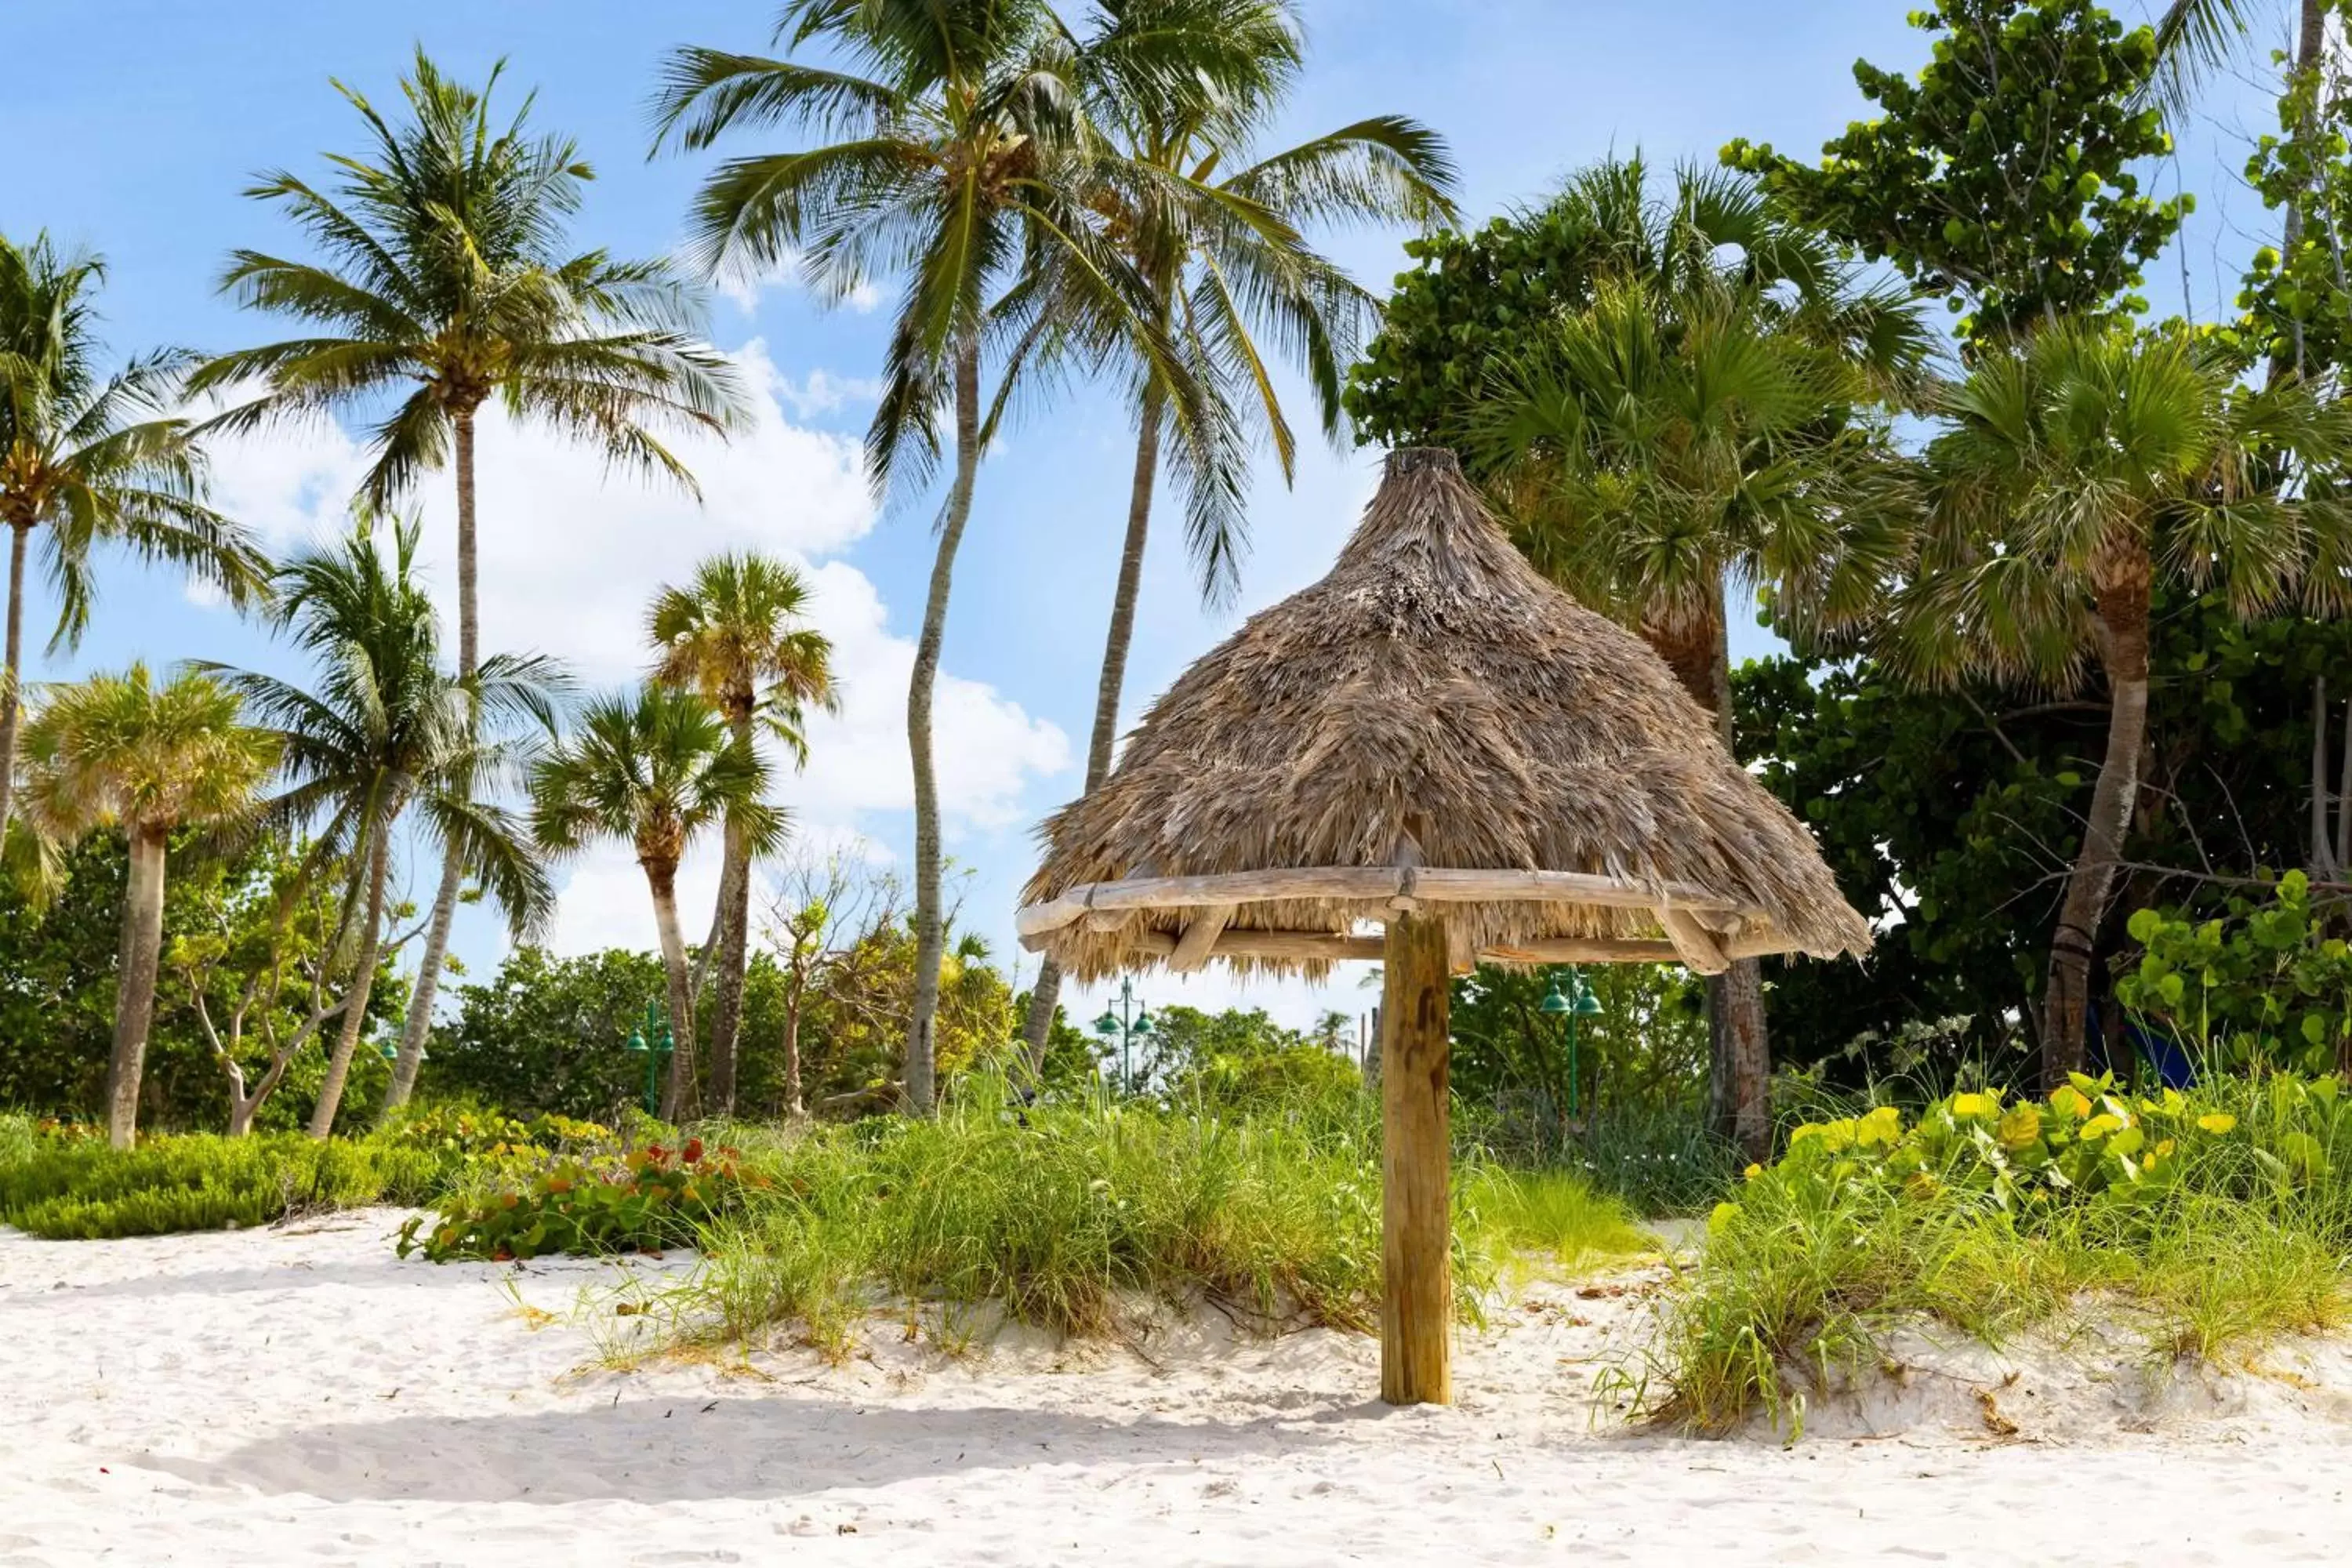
point(653, 1040)
point(1577, 1001)
point(1127, 1025)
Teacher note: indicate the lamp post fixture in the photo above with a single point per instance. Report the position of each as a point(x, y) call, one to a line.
point(1577, 1002)
point(653, 1040)
point(1127, 1025)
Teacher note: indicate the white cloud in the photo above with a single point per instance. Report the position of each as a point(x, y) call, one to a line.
point(570, 555)
point(822, 392)
point(743, 289)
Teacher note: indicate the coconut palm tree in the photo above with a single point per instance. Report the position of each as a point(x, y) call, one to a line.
point(1186, 88)
point(88, 457)
point(444, 282)
point(954, 151)
point(1699, 417)
point(654, 768)
point(118, 750)
point(737, 634)
point(387, 728)
point(2074, 470)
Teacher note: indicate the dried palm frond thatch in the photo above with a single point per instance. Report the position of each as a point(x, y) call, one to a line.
point(1433, 703)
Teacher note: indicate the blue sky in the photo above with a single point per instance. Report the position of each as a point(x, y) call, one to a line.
point(139, 147)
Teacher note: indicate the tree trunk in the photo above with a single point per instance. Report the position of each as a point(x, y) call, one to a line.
point(1739, 1050)
point(1416, 1217)
point(12, 677)
point(418, 1025)
point(1047, 994)
point(134, 1003)
point(2123, 610)
point(794, 1107)
point(241, 1111)
point(733, 927)
point(662, 876)
point(931, 937)
point(347, 1037)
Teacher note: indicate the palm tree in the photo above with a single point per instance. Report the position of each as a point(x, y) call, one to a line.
point(388, 727)
point(1689, 424)
point(963, 162)
point(736, 635)
point(1186, 87)
point(655, 768)
point(94, 458)
point(444, 283)
point(117, 751)
point(2074, 470)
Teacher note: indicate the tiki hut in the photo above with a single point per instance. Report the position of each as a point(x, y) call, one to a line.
point(1436, 740)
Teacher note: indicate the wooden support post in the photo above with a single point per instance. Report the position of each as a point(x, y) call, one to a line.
point(1416, 1222)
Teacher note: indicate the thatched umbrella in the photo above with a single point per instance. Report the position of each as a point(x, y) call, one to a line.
point(1434, 739)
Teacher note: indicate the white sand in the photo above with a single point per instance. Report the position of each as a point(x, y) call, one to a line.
point(300, 1395)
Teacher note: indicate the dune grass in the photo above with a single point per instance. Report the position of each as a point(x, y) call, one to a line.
point(1070, 1217)
point(2225, 1221)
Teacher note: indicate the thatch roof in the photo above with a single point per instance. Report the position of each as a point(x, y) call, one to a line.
point(1433, 703)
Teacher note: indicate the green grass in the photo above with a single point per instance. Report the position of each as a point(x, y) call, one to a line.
point(2246, 1237)
point(1068, 1217)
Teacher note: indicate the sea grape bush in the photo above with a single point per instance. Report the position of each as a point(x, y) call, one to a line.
point(470, 1133)
point(650, 1199)
point(2265, 987)
point(2089, 1140)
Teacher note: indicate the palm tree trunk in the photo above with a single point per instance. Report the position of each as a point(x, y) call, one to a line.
point(734, 925)
point(1047, 993)
point(1739, 1047)
point(347, 1037)
point(2310, 44)
point(930, 938)
point(12, 677)
point(134, 1002)
point(663, 879)
point(2123, 611)
point(418, 1024)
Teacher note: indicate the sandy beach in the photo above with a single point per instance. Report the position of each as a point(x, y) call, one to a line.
point(299, 1394)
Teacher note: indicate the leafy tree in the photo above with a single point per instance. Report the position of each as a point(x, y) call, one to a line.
point(59, 969)
point(2001, 177)
point(93, 459)
point(387, 728)
point(964, 164)
point(654, 769)
point(737, 634)
point(118, 750)
point(547, 1034)
point(2072, 472)
point(1241, 1060)
point(1646, 1047)
point(1952, 817)
point(1187, 87)
point(444, 282)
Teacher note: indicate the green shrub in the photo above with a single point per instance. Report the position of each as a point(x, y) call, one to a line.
point(67, 1189)
point(2222, 1215)
point(648, 1200)
point(2267, 987)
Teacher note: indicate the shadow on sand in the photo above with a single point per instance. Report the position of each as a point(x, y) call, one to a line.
point(686, 1449)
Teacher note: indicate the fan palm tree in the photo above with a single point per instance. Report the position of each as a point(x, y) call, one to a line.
point(1186, 87)
point(118, 750)
point(954, 151)
point(1699, 418)
point(737, 634)
point(86, 459)
point(443, 283)
point(2074, 470)
point(654, 769)
point(388, 727)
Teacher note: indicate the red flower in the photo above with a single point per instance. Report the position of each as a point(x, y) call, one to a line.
point(693, 1151)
